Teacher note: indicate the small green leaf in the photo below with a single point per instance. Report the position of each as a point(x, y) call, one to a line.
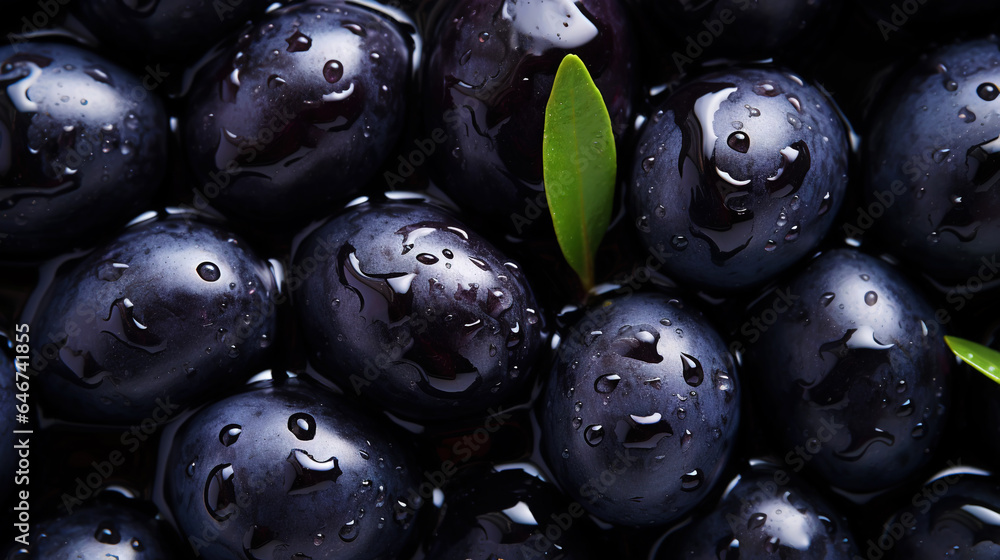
point(579, 165)
point(986, 360)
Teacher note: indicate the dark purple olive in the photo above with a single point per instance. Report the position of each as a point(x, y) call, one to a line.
point(82, 147)
point(164, 29)
point(766, 513)
point(487, 82)
point(289, 470)
point(297, 115)
point(738, 175)
point(934, 163)
point(954, 515)
point(157, 320)
point(408, 307)
point(852, 371)
point(640, 410)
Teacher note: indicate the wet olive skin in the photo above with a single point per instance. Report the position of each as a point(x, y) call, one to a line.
point(765, 514)
point(411, 309)
point(952, 516)
point(82, 148)
point(854, 372)
point(930, 181)
point(297, 115)
point(99, 530)
point(483, 516)
point(487, 81)
point(310, 474)
point(648, 447)
point(166, 29)
point(161, 331)
point(736, 176)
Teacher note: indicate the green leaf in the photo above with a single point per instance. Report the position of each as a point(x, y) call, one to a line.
point(984, 359)
point(579, 165)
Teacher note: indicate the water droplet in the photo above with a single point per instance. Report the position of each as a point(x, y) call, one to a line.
point(901, 386)
point(905, 409)
point(111, 271)
point(966, 115)
point(871, 298)
point(770, 245)
point(767, 88)
point(484, 36)
point(681, 413)
point(349, 531)
point(782, 219)
point(607, 383)
point(679, 242)
point(950, 85)
point(642, 222)
point(427, 258)
point(665, 322)
point(792, 234)
point(756, 521)
point(647, 164)
point(594, 435)
point(753, 111)
point(137, 545)
point(692, 481)
point(298, 42)
point(987, 91)
point(307, 475)
point(638, 343)
point(209, 272)
point(107, 533)
point(333, 71)
point(686, 439)
point(827, 298)
point(919, 431)
point(302, 425)
point(940, 155)
point(274, 81)
point(220, 493)
point(565, 453)
point(190, 468)
point(83, 102)
point(739, 141)
point(693, 372)
point(356, 29)
point(577, 406)
point(230, 434)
